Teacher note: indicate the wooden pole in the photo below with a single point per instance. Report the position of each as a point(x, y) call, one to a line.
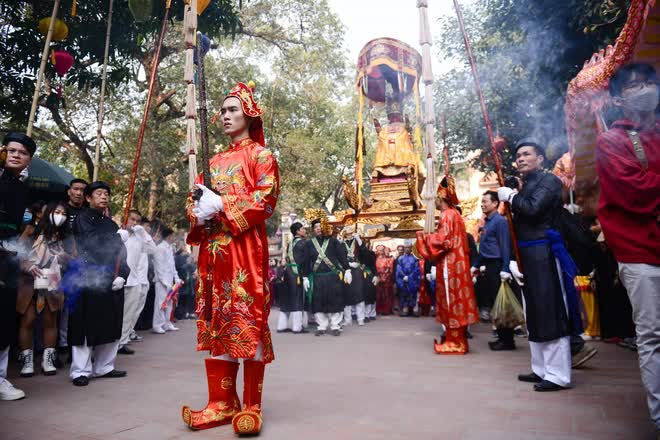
point(190, 40)
point(489, 129)
point(429, 193)
point(42, 67)
point(145, 116)
point(104, 76)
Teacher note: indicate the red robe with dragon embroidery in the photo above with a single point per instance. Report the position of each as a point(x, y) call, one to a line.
point(233, 304)
point(456, 305)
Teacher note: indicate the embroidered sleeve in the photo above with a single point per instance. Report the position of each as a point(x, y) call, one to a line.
point(257, 202)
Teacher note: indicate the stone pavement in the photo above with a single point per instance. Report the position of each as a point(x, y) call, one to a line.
point(381, 381)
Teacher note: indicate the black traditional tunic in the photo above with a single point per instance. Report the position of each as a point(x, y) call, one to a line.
point(369, 260)
point(13, 200)
point(293, 295)
point(325, 274)
point(354, 292)
point(98, 311)
point(536, 209)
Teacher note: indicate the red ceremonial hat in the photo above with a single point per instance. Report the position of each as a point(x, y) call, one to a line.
point(250, 107)
point(447, 190)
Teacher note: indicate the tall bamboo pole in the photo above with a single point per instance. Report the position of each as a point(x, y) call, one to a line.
point(104, 76)
point(489, 129)
point(190, 40)
point(42, 67)
point(428, 195)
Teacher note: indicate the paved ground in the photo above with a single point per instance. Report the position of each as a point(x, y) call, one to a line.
point(382, 381)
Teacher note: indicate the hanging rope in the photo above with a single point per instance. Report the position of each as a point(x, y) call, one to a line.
point(104, 76)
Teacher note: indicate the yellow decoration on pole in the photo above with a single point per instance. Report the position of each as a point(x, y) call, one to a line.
point(73, 9)
point(202, 5)
point(60, 29)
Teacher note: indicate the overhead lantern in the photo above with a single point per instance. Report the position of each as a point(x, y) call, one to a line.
point(202, 5)
point(62, 61)
point(142, 10)
point(60, 30)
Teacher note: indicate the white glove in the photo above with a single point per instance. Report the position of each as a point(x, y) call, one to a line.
point(433, 272)
point(208, 205)
point(405, 279)
point(482, 269)
point(123, 233)
point(353, 264)
point(305, 284)
point(357, 238)
point(474, 271)
point(505, 276)
point(506, 194)
point(513, 267)
point(118, 283)
point(429, 277)
point(474, 280)
point(375, 280)
point(139, 230)
point(348, 277)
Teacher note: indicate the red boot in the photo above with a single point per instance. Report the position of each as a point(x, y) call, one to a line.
point(223, 400)
point(249, 420)
point(455, 342)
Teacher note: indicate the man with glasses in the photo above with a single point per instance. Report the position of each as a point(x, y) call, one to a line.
point(15, 155)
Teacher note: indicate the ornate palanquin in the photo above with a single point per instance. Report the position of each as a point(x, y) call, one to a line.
point(587, 96)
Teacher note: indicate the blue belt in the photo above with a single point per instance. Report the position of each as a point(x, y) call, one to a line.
point(569, 272)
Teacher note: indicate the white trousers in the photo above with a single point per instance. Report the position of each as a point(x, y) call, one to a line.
point(141, 302)
point(323, 320)
point(104, 359)
point(62, 333)
point(131, 302)
point(359, 311)
point(293, 320)
point(259, 355)
point(642, 281)
point(370, 310)
point(552, 360)
point(161, 317)
point(4, 360)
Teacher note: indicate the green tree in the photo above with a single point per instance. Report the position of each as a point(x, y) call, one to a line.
point(526, 53)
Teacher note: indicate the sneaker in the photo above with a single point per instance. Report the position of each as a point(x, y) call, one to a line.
point(583, 356)
point(8, 392)
point(135, 337)
point(520, 332)
point(169, 327)
point(157, 330)
point(48, 362)
point(27, 363)
point(125, 350)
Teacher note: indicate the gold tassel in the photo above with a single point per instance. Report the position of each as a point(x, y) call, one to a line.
point(73, 9)
point(341, 276)
point(360, 146)
point(298, 280)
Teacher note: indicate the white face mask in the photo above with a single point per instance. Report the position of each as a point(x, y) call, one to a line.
point(643, 100)
point(57, 219)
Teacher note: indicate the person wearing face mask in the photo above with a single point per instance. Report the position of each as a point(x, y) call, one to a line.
point(628, 164)
point(41, 296)
point(15, 155)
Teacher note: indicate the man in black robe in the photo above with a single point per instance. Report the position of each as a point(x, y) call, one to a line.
point(370, 281)
point(292, 300)
point(19, 149)
point(95, 321)
point(549, 302)
point(325, 264)
point(354, 292)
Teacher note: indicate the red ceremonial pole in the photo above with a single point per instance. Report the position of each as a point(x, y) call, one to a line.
point(489, 129)
point(145, 116)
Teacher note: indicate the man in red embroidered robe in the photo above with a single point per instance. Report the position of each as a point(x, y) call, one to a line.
point(233, 300)
point(448, 247)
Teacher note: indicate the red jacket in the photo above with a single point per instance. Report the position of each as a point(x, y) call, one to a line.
point(629, 204)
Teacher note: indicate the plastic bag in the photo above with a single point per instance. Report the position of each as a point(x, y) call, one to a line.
point(507, 311)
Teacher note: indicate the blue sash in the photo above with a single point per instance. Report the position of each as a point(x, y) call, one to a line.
point(569, 272)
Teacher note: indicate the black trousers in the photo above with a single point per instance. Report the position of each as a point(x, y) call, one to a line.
point(488, 283)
